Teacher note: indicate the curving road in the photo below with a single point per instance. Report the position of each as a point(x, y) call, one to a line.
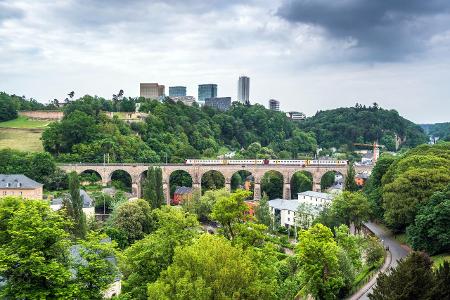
point(396, 252)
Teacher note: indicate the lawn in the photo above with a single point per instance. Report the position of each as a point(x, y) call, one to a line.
point(24, 122)
point(21, 139)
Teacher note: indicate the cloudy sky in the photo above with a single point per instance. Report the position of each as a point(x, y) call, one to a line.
point(309, 54)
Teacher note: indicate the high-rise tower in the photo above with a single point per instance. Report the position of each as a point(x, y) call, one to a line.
point(244, 89)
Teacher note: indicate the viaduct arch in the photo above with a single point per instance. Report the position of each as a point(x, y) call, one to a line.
point(196, 172)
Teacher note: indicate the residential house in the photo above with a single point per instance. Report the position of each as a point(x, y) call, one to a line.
point(181, 193)
point(316, 199)
point(299, 211)
point(88, 204)
point(21, 186)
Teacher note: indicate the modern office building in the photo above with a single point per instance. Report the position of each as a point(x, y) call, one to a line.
point(177, 91)
point(219, 103)
point(274, 105)
point(206, 91)
point(244, 89)
point(152, 90)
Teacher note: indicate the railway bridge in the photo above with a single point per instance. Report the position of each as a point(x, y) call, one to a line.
point(137, 173)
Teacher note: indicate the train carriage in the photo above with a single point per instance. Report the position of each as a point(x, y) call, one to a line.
point(287, 162)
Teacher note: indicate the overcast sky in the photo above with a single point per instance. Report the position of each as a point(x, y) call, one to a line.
point(309, 54)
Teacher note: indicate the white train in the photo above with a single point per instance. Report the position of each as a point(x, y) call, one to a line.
point(295, 162)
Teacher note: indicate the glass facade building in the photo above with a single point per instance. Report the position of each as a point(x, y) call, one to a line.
point(206, 91)
point(177, 91)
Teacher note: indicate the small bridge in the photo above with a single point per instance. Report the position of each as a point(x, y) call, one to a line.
point(137, 173)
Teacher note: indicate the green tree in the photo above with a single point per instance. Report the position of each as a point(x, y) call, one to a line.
point(143, 261)
point(272, 184)
point(351, 244)
point(212, 180)
point(229, 210)
point(159, 187)
point(130, 222)
point(211, 268)
point(149, 188)
point(402, 197)
point(431, 228)
point(373, 187)
point(317, 254)
point(76, 211)
point(33, 251)
point(350, 208)
point(94, 266)
point(8, 109)
point(202, 205)
point(441, 282)
point(350, 184)
point(411, 180)
point(327, 180)
point(301, 182)
point(262, 212)
point(411, 279)
point(374, 251)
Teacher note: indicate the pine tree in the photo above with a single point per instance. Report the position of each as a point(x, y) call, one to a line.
point(159, 186)
point(76, 211)
point(350, 184)
point(412, 279)
point(262, 212)
point(149, 191)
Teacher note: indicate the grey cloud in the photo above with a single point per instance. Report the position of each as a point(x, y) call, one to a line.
point(94, 13)
point(382, 30)
point(7, 12)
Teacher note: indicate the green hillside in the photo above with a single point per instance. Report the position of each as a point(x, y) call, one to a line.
point(360, 124)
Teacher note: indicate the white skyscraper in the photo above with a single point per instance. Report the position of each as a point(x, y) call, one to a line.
point(244, 89)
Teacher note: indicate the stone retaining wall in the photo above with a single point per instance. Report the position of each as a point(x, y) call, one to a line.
point(43, 115)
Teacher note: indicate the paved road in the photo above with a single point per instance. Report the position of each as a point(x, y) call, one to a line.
point(396, 252)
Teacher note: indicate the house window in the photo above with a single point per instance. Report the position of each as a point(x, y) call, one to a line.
point(289, 212)
point(289, 219)
point(4, 192)
point(7, 185)
point(21, 193)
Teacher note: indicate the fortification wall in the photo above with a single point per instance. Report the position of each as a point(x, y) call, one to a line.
point(43, 115)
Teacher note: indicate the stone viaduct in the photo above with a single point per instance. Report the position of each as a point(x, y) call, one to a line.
point(137, 173)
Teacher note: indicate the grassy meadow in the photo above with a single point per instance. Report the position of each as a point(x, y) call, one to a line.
point(22, 134)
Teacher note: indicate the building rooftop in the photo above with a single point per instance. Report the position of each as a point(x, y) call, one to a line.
point(368, 155)
point(363, 175)
point(16, 181)
point(316, 194)
point(284, 204)
point(87, 200)
point(183, 190)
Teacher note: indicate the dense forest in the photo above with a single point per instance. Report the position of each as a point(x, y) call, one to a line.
point(361, 124)
point(411, 193)
point(173, 131)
